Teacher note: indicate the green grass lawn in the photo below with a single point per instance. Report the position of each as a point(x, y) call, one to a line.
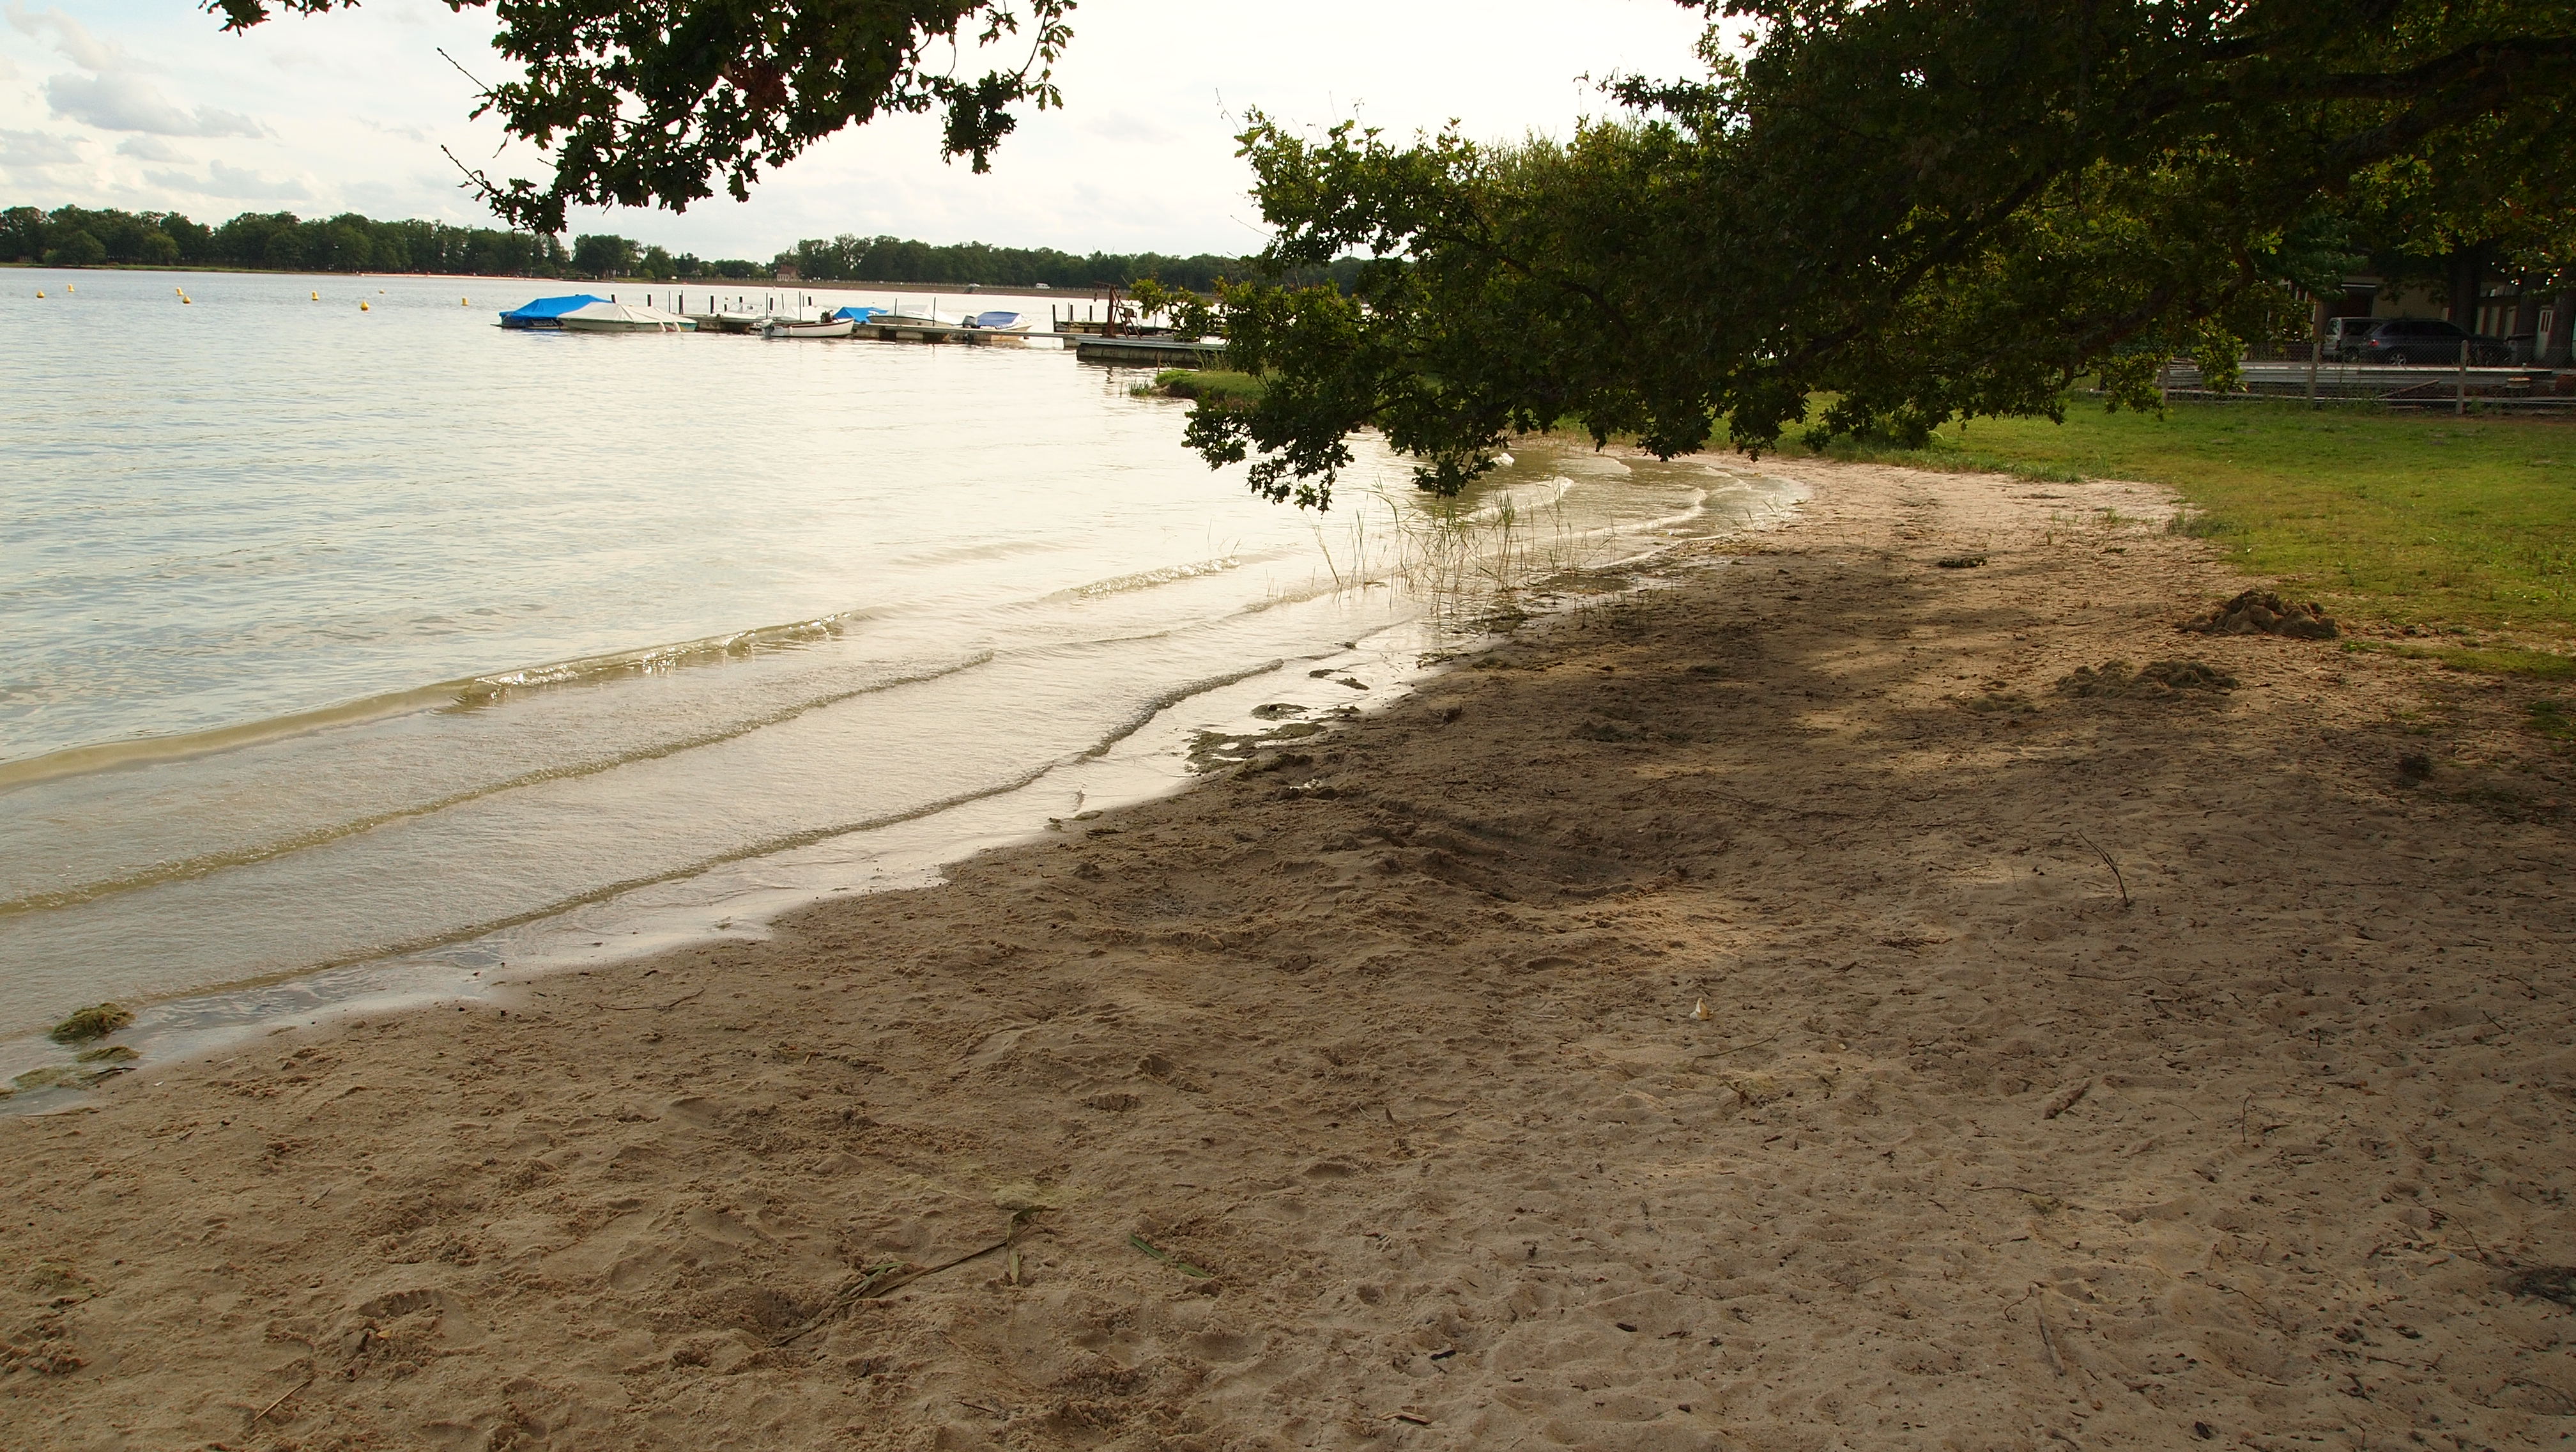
point(2464, 528)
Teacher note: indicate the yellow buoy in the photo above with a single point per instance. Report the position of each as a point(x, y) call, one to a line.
point(189, 301)
point(40, 292)
point(465, 302)
point(317, 297)
point(179, 292)
point(67, 287)
point(362, 305)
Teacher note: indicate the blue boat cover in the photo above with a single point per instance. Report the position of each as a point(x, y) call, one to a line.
point(857, 315)
point(546, 309)
point(996, 320)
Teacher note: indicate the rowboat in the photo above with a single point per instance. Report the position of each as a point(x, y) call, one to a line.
point(782, 328)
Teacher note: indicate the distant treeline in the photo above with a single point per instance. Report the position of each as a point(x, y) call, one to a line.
point(281, 241)
point(848, 258)
point(80, 237)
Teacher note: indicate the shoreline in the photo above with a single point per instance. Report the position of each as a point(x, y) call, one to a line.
point(1357, 1098)
point(1087, 294)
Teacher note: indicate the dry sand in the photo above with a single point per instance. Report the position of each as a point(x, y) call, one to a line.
point(1387, 1052)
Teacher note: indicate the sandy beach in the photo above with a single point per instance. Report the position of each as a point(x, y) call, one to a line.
point(2109, 1067)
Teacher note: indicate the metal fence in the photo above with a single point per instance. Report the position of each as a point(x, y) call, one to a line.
point(2424, 385)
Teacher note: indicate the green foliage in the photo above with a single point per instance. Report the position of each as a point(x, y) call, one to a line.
point(603, 256)
point(1185, 312)
point(644, 107)
point(78, 249)
point(892, 259)
point(346, 243)
point(1918, 210)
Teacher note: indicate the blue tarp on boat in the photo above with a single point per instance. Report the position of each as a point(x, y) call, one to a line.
point(997, 320)
point(545, 310)
point(858, 315)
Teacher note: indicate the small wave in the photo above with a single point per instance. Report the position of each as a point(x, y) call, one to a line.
point(789, 841)
point(468, 693)
point(208, 863)
point(1148, 579)
point(486, 690)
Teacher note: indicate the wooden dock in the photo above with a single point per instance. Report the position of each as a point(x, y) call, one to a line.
point(1086, 344)
point(1148, 352)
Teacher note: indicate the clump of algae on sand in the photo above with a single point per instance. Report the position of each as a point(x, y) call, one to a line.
point(94, 1022)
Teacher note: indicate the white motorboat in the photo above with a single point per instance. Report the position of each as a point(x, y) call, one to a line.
point(999, 322)
point(622, 317)
point(790, 328)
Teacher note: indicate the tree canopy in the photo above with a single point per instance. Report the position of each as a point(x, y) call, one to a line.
point(658, 105)
point(1919, 209)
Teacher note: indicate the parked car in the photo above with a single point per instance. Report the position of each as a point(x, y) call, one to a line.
point(2422, 340)
point(2343, 338)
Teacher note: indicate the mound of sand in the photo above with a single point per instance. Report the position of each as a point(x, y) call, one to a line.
point(2262, 612)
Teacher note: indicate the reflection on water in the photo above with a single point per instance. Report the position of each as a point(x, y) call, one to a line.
point(328, 636)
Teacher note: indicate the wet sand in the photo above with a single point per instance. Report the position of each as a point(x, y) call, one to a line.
point(1357, 1099)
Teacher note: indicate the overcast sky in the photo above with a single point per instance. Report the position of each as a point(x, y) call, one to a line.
point(146, 104)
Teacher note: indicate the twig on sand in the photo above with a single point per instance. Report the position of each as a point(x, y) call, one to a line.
point(655, 1007)
point(263, 1412)
point(882, 1280)
point(2107, 862)
point(2066, 1101)
point(2047, 1342)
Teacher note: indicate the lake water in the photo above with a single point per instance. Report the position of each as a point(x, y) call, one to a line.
point(352, 651)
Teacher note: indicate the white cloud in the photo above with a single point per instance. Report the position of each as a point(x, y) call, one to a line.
point(117, 102)
point(232, 183)
point(67, 35)
point(38, 148)
point(150, 148)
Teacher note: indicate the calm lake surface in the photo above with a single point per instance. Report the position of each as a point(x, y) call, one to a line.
point(332, 639)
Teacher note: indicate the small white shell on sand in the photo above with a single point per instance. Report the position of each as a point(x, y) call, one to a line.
point(1701, 1013)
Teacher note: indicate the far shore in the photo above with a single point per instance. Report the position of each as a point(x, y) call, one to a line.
point(716, 284)
point(1874, 984)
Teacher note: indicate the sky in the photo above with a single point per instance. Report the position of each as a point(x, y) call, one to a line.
point(148, 105)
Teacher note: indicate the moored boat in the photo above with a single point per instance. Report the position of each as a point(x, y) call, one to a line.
point(620, 317)
point(789, 328)
point(547, 312)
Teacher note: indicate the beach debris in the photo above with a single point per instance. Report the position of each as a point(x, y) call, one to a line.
point(2067, 1100)
point(2162, 680)
point(2261, 612)
point(1960, 562)
point(2123, 882)
point(106, 1054)
point(1166, 1257)
point(63, 1076)
point(1998, 698)
point(1701, 1013)
point(94, 1022)
point(2548, 1282)
point(263, 1412)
